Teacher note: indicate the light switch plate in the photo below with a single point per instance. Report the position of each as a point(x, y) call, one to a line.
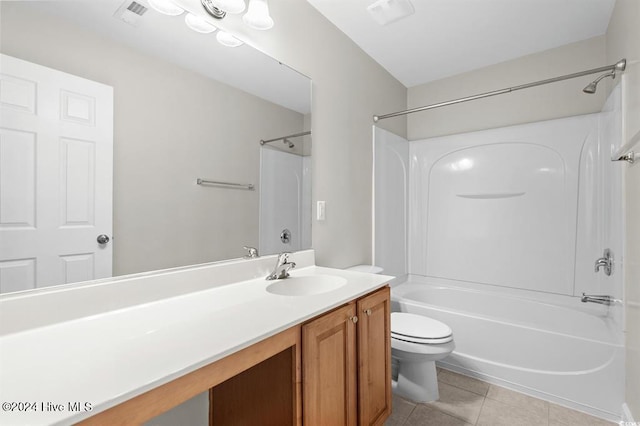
point(320, 210)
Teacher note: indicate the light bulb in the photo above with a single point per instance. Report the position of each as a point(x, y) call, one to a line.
point(198, 24)
point(230, 6)
point(257, 17)
point(228, 40)
point(166, 7)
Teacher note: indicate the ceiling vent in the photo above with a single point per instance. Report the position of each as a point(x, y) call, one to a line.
point(130, 12)
point(385, 12)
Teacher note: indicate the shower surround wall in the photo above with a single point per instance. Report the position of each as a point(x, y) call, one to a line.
point(517, 207)
point(285, 200)
point(512, 219)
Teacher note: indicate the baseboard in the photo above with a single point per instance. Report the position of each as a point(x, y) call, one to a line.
point(627, 417)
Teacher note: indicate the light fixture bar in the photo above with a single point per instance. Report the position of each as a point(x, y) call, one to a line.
point(212, 10)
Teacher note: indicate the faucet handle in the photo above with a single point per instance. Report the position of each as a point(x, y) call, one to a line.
point(253, 252)
point(283, 257)
point(605, 261)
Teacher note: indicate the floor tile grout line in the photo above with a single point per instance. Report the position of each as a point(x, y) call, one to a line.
point(453, 415)
point(465, 389)
point(514, 405)
point(548, 413)
point(409, 416)
point(480, 412)
point(547, 404)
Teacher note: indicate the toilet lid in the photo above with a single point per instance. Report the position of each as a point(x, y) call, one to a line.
point(419, 329)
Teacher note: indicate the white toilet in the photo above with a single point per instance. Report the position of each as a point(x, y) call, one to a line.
point(417, 342)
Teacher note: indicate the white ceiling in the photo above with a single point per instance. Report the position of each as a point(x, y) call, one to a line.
point(169, 38)
point(449, 37)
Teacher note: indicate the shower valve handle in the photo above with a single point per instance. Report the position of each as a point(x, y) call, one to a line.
point(605, 261)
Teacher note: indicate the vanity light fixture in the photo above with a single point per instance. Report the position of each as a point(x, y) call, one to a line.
point(257, 17)
point(230, 6)
point(166, 7)
point(198, 24)
point(226, 39)
point(385, 12)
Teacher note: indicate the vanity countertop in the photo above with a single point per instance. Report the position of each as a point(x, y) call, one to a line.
point(109, 357)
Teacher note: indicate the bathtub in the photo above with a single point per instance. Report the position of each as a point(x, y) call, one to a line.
point(549, 346)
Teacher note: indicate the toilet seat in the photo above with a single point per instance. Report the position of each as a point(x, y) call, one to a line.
point(419, 329)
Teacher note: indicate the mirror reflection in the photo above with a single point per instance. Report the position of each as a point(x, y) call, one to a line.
point(108, 120)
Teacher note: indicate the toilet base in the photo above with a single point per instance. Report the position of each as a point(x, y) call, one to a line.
point(417, 381)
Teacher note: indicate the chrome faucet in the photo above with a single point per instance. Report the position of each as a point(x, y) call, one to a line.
point(606, 261)
point(252, 252)
point(283, 266)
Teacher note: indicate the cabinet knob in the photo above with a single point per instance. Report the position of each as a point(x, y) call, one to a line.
point(354, 319)
point(368, 312)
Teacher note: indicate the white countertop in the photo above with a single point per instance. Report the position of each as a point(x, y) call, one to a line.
point(110, 357)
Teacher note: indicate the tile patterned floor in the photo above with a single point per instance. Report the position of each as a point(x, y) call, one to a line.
point(465, 401)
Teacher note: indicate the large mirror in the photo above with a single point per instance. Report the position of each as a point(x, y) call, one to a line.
point(176, 106)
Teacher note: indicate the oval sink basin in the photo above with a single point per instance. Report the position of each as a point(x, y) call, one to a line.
point(306, 285)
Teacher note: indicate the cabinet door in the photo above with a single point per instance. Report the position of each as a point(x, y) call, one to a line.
point(374, 357)
point(329, 369)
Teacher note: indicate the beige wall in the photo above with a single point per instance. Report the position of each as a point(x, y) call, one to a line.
point(623, 40)
point(546, 102)
point(348, 89)
point(171, 126)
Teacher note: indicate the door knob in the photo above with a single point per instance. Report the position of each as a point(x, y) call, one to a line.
point(102, 239)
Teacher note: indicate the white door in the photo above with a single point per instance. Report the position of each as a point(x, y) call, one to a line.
point(56, 168)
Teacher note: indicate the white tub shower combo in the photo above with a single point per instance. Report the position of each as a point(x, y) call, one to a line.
point(496, 234)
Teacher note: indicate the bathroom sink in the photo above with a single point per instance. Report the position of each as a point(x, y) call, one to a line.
point(306, 285)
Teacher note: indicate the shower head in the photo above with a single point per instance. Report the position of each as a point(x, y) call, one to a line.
point(619, 66)
point(288, 142)
point(591, 87)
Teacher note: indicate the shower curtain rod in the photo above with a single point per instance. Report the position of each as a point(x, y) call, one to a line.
point(618, 66)
point(295, 135)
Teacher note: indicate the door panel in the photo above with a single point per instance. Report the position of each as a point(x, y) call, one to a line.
point(329, 369)
point(16, 275)
point(77, 186)
point(56, 169)
point(17, 179)
point(374, 357)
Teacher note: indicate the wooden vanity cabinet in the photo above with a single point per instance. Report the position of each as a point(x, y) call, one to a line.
point(333, 370)
point(329, 369)
point(346, 364)
point(374, 357)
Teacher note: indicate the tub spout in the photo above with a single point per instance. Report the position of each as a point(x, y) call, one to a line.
point(602, 299)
